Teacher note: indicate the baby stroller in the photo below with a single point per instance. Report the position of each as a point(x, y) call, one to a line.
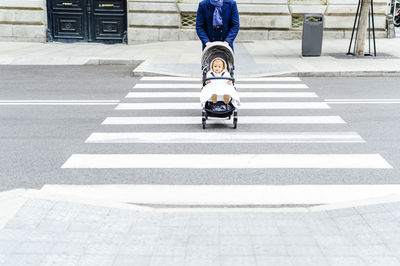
point(219, 109)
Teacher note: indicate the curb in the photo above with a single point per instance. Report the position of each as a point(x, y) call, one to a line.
point(394, 73)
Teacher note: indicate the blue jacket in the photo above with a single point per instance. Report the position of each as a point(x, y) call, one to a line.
point(204, 19)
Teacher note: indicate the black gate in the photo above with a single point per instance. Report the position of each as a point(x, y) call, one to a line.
point(87, 21)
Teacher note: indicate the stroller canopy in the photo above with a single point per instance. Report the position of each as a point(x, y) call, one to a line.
point(214, 50)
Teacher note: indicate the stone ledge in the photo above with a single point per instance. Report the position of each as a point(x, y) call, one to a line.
point(281, 22)
point(347, 22)
point(155, 20)
point(25, 4)
point(36, 17)
point(152, 7)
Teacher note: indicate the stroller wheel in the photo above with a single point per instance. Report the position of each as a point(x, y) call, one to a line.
point(235, 119)
point(204, 118)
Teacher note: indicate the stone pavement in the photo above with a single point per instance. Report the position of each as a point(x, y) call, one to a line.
point(51, 231)
point(182, 58)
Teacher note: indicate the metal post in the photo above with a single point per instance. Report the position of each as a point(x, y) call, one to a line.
point(373, 25)
point(354, 26)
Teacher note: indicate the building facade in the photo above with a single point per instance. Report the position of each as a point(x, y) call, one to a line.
point(127, 21)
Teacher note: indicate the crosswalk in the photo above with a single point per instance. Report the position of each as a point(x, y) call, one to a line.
point(166, 111)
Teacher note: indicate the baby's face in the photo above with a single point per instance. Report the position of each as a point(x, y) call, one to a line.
point(218, 66)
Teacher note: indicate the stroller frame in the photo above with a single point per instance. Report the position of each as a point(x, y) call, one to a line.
point(219, 109)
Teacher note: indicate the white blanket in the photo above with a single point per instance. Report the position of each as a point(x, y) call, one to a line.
point(219, 87)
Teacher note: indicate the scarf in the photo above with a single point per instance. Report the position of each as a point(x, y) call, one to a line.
point(217, 17)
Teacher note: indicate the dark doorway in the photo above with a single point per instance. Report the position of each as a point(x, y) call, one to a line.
point(87, 21)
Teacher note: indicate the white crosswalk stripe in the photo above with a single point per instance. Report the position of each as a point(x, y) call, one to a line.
point(242, 95)
point(221, 161)
point(231, 137)
point(162, 90)
point(268, 79)
point(182, 120)
point(243, 106)
point(198, 86)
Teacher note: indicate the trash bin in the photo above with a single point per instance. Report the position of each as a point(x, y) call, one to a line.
point(312, 35)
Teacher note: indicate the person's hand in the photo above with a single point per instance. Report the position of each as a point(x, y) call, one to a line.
point(227, 43)
point(208, 43)
point(230, 82)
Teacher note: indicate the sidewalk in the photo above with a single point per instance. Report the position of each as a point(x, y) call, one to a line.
point(253, 58)
point(50, 229)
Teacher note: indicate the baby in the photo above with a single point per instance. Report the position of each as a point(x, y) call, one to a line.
point(218, 69)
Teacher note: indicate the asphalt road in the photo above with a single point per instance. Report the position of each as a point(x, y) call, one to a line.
point(36, 140)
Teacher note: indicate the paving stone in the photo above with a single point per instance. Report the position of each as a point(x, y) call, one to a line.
point(102, 248)
point(69, 248)
point(53, 226)
point(67, 214)
point(309, 250)
point(323, 227)
point(338, 251)
point(371, 250)
point(98, 260)
point(175, 219)
point(342, 212)
point(140, 239)
point(27, 222)
point(381, 260)
point(167, 261)
point(85, 217)
point(237, 227)
point(379, 217)
point(238, 245)
point(203, 229)
point(60, 260)
point(39, 203)
point(3, 259)
point(129, 260)
point(82, 227)
point(137, 249)
point(24, 260)
point(13, 234)
point(266, 240)
point(378, 208)
point(203, 240)
point(115, 227)
point(33, 247)
point(107, 237)
point(261, 229)
point(392, 207)
point(335, 240)
point(44, 236)
point(206, 219)
point(169, 247)
point(276, 261)
point(298, 240)
point(144, 229)
point(202, 260)
point(270, 250)
point(194, 250)
point(345, 261)
point(369, 238)
point(237, 260)
point(385, 227)
point(173, 230)
point(309, 261)
point(82, 237)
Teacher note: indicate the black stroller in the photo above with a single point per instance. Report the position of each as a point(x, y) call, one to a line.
point(218, 109)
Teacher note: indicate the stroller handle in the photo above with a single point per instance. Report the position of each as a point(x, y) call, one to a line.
point(226, 78)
